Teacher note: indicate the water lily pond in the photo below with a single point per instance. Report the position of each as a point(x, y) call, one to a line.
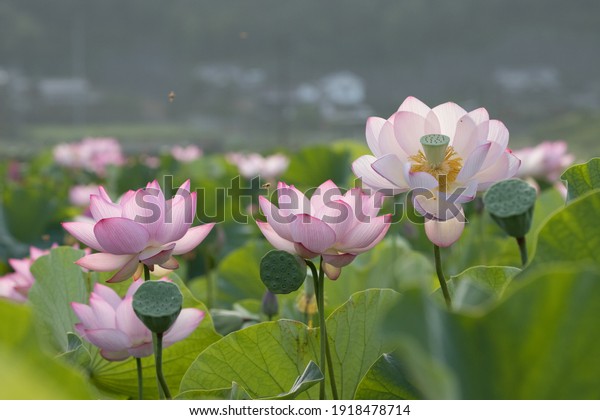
point(428, 260)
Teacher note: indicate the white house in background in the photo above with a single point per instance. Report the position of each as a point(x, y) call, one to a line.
point(66, 91)
point(524, 80)
point(340, 97)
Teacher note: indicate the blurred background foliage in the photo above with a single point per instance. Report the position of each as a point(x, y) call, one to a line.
point(257, 74)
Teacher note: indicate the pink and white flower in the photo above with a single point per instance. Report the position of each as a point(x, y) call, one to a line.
point(15, 286)
point(141, 228)
point(335, 226)
point(79, 195)
point(151, 162)
point(110, 323)
point(91, 154)
point(445, 155)
point(546, 161)
point(253, 165)
point(186, 154)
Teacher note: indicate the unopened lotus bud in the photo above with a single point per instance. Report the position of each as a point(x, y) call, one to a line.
point(270, 305)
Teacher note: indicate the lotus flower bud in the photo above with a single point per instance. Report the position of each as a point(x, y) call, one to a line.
point(270, 305)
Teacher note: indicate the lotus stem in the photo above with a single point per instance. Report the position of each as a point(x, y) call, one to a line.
point(138, 363)
point(157, 342)
point(326, 360)
point(523, 250)
point(440, 275)
point(209, 280)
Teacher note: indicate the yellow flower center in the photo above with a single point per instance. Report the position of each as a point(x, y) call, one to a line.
point(438, 159)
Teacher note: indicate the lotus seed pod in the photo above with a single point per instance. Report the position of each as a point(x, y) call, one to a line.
point(435, 146)
point(511, 203)
point(157, 304)
point(282, 272)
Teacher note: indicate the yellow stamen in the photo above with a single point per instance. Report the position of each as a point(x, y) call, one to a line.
point(446, 172)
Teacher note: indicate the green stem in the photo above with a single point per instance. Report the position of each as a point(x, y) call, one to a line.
point(322, 362)
point(209, 280)
point(326, 360)
point(138, 363)
point(523, 249)
point(163, 390)
point(157, 342)
point(323, 327)
point(440, 274)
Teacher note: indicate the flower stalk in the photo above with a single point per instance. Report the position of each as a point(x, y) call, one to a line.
point(210, 280)
point(522, 249)
point(138, 364)
point(157, 339)
point(440, 274)
point(325, 359)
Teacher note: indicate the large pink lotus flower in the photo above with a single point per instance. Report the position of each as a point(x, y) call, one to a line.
point(91, 154)
point(110, 323)
point(253, 165)
point(445, 155)
point(15, 286)
point(337, 227)
point(546, 161)
point(186, 154)
point(142, 227)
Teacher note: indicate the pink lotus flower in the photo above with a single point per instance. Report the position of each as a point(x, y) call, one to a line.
point(79, 195)
point(445, 155)
point(14, 171)
point(186, 154)
point(110, 323)
point(15, 286)
point(151, 162)
point(546, 161)
point(91, 154)
point(142, 227)
point(337, 227)
point(253, 165)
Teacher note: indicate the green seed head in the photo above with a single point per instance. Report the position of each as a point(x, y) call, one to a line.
point(434, 146)
point(282, 272)
point(511, 203)
point(157, 304)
